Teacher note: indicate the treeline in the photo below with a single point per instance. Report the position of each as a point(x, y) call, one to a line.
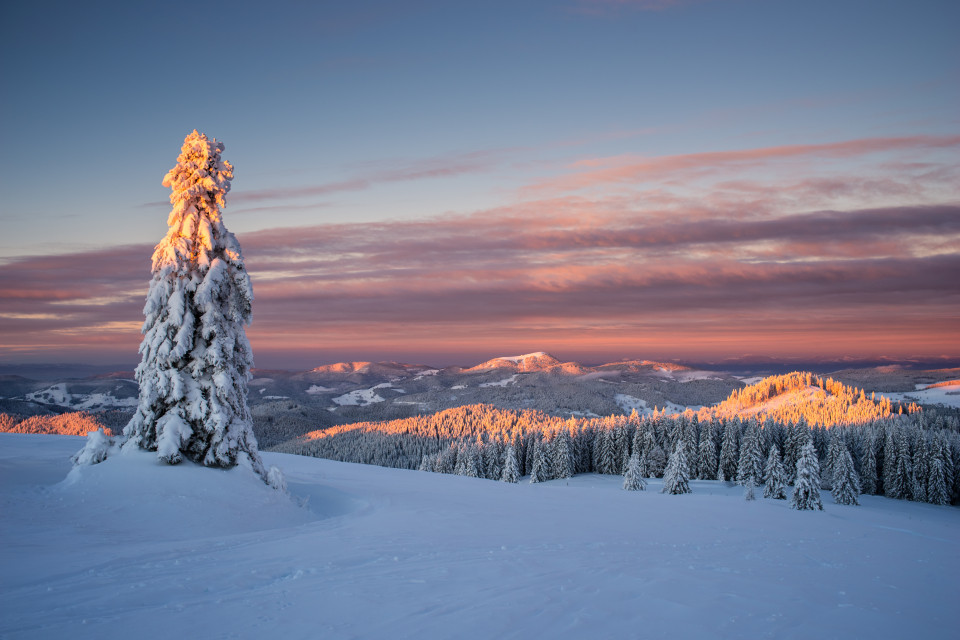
point(912, 456)
point(77, 423)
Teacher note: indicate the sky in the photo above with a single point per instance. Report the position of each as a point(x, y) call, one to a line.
point(444, 182)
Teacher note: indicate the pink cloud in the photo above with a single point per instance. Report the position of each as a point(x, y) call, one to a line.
point(631, 169)
point(593, 275)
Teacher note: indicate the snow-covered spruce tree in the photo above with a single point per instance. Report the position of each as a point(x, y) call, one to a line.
point(750, 465)
point(897, 482)
point(562, 455)
point(511, 469)
point(937, 487)
point(621, 449)
point(426, 462)
point(868, 467)
point(195, 357)
point(920, 470)
point(806, 488)
point(608, 454)
point(846, 484)
point(833, 455)
point(541, 471)
point(676, 479)
point(775, 476)
point(632, 478)
point(656, 463)
point(729, 452)
point(796, 438)
point(707, 455)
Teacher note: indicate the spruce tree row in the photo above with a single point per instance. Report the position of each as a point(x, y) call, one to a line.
point(912, 456)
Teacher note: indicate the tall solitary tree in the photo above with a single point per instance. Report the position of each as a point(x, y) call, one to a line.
point(195, 357)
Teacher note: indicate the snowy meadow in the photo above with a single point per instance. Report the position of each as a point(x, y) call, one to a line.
point(359, 551)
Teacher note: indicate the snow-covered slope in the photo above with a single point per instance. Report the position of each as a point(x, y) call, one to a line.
point(131, 547)
point(946, 393)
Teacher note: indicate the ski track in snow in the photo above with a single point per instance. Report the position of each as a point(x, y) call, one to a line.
point(134, 546)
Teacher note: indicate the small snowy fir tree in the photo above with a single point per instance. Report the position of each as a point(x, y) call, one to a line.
point(775, 476)
point(676, 479)
point(806, 489)
point(632, 478)
point(511, 470)
point(748, 492)
point(195, 357)
point(95, 450)
point(846, 484)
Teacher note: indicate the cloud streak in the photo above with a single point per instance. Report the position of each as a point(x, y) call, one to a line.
point(633, 169)
point(599, 282)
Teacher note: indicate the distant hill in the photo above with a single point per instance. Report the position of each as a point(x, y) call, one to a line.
point(538, 362)
point(286, 404)
point(67, 424)
point(803, 395)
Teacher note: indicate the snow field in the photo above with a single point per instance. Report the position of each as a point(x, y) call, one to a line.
point(57, 394)
point(629, 403)
point(386, 553)
point(945, 393)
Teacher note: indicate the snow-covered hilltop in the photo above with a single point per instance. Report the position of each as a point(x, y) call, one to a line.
point(529, 363)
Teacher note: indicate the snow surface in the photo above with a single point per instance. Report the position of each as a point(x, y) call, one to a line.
point(316, 388)
point(628, 403)
point(945, 393)
point(527, 356)
point(58, 394)
point(500, 383)
point(133, 546)
point(362, 397)
point(686, 375)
